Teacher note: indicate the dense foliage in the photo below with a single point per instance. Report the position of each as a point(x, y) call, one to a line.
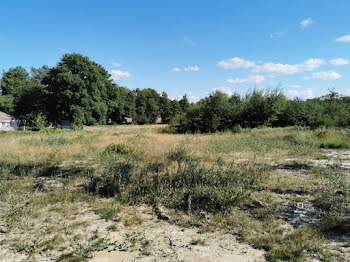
point(82, 91)
point(218, 112)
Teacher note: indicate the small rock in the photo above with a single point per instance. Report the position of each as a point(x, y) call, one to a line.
point(3, 230)
point(161, 212)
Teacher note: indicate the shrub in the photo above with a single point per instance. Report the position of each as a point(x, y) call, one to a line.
point(179, 153)
point(237, 128)
point(40, 122)
point(170, 129)
point(190, 187)
point(119, 149)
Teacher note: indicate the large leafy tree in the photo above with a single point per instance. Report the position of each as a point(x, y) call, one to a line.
point(78, 91)
point(23, 95)
point(121, 104)
point(146, 106)
point(14, 83)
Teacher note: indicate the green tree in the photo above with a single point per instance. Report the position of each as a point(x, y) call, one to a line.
point(257, 110)
point(121, 104)
point(166, 112)
point(6, 104)
point(184, 104)
point(211, 114)
point(14, 81)
point(23, 95)
point(78, 91)
point(146, 106)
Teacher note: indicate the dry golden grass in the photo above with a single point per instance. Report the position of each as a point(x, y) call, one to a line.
point(69, 147)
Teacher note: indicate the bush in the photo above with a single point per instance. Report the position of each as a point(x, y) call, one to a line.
point(237, 128)
point(190, 187)
point(40, 122)
point(170, 129)
point(179, 153)
point(119, 149)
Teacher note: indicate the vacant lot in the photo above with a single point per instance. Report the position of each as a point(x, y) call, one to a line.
point(134, 193)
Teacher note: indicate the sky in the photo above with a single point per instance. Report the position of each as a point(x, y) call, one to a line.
point(192, 47)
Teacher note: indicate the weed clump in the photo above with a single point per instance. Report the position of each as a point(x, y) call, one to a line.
point(18, 206)
point(121, 148)
point(190, 186)
point(333, 198)
point(180, 153)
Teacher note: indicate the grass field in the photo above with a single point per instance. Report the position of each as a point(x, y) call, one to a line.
point(284, 191)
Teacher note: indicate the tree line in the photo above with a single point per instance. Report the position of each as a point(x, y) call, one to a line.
point(219, 112)
point(82, 91)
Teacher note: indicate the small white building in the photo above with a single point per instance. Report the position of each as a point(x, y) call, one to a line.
point(7, 122)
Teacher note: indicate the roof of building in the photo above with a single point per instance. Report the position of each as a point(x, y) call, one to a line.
point(4, 116)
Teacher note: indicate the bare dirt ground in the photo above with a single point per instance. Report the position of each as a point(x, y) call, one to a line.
point(150, 239)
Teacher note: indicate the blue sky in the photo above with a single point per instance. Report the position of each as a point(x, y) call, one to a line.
point(187, 46)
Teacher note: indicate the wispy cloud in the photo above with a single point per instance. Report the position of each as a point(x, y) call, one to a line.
point(116, 64)
point(276, 35)
point(192, 68)
point(117, 75)
point(306, 22)
point(189, 42)
point(176, 69)
point(251, 79)
point(327, 75)
point(344, 39)
point(339, 61)
point(295, 86)
point(235, 63)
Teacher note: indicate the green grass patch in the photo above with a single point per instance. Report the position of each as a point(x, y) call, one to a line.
point(324, 138)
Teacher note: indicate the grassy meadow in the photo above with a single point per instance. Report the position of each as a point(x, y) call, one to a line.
point(251, 184)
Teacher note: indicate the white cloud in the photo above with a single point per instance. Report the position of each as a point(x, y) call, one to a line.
point(176, 69)
point(344, 38)
point(273, 69)
point(295, 86)
point(224, 89)
point(193, 99)
point(306, 94)
point(234, 63)
point(306, 22)
point(189, 42)
point(276, 35)
point(327, 75)
point(192, 68)
point(251, 79)
point(117, 75)
point(116, 64)
point(339, 61)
